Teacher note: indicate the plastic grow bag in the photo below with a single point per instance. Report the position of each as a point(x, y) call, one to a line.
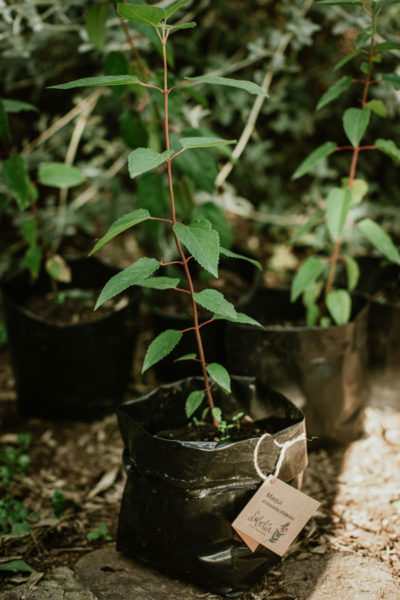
point(69, 371)
point(181, 497)
point(323, 369)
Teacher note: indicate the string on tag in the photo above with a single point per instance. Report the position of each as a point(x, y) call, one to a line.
point(281, 457)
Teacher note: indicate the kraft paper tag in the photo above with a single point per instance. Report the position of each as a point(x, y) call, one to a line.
point(274, 516)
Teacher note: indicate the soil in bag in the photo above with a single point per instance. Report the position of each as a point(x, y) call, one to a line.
point(323, 369)
point(181, 496)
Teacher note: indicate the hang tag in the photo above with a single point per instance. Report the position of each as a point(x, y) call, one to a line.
point(274, 516)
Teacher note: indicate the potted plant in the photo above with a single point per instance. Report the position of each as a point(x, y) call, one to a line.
point(60, 367)
point(188, 451)
point(315, 336)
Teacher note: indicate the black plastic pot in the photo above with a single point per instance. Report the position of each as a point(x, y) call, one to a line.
point(181, 497)
point(322, 369)
point(212, 334)
point(69, 371)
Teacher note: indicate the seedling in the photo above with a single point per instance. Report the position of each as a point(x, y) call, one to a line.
point(100, 533)
point(198, 240)
point(316, 278)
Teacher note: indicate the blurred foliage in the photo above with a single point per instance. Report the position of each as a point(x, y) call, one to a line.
point(297, 42)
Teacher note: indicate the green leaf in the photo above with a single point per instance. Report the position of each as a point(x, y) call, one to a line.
point(101, 80)
point(29, 231)
point(138, 13)
point(132, 128)
point(96, 18)
point(220, 376)
point(116, 63)
point(377, 107)
point(248, 86)
point(352, 271)
point(230, 254)
point(33, 259)
point(133, 275)
point(338, 303)
point(213, 213)
point(16, 106)
point(355, 122)
point(338, 205)
point(379, 239)
point(307, 274)
point(240, 318)
point(217, 414)
point(204, 142)
point(202, 242)
point(357, 191)
point(200, 165)
point(311, 223)
point(174, 8)
point(315, 157)
point(4, 128)
point(15, 566)
point(160, 283)
point(193, 402)
point(58, 269)
point(120, 225)
point(17, 182)
point(215, 302)
point(346, 59)
point(389, 45)
point(151, 196)
point(142, 160)
point(162, 345)
point(388, 147)
point(189, 25)
point(338, 3)
point(335, 91)
point(191, 356)
point(393, 79)
point(60, 175)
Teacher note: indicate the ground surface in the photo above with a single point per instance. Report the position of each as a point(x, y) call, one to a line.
point(349, 550)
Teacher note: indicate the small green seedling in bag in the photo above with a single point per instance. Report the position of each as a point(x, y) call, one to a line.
point(316, 280)
point(196, 240)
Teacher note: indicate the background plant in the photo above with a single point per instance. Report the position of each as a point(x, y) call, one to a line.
point(316, 279)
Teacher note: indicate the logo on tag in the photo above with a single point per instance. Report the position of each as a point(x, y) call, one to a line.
point(274, 516)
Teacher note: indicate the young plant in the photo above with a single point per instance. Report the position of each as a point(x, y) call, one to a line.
point(18, 186)
point(197, 241)
point(324, 302)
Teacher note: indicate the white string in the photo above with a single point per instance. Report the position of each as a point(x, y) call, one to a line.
point(281, 457)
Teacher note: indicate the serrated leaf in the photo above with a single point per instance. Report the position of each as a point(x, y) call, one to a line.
point(388, 45)
point(121, 225)
point(16, 106)
point(241, 318)
point(106, 80)
point(4, 128)
point(346, 59)
point(95, 19)
point(174, 8)
point(230, 254)
point(16, 566)
point(335, 91)
point(379, 239)
point(162, 345)
point(338, 304)
point(58, 269)
point(377, 107)
point(138, 13)
point(388, 147)
point(393, 79)
point(210, 211)
point(307, 274)
point(215, 302)
point(160, 283)
point(133, 275)
point(142, 160)
point(217, 414)
point(220, 376)
point(352, 271)
point(248, 86)
point(193, 402)
point(60, 175)
point(204, 142)
point(190, 356)
point(202, 242)
point(315, 157)
point(338, 205)
point(311, 223)
point(17, 182)
point(355, 122)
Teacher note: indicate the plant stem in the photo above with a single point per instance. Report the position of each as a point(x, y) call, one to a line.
point(185, 260)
